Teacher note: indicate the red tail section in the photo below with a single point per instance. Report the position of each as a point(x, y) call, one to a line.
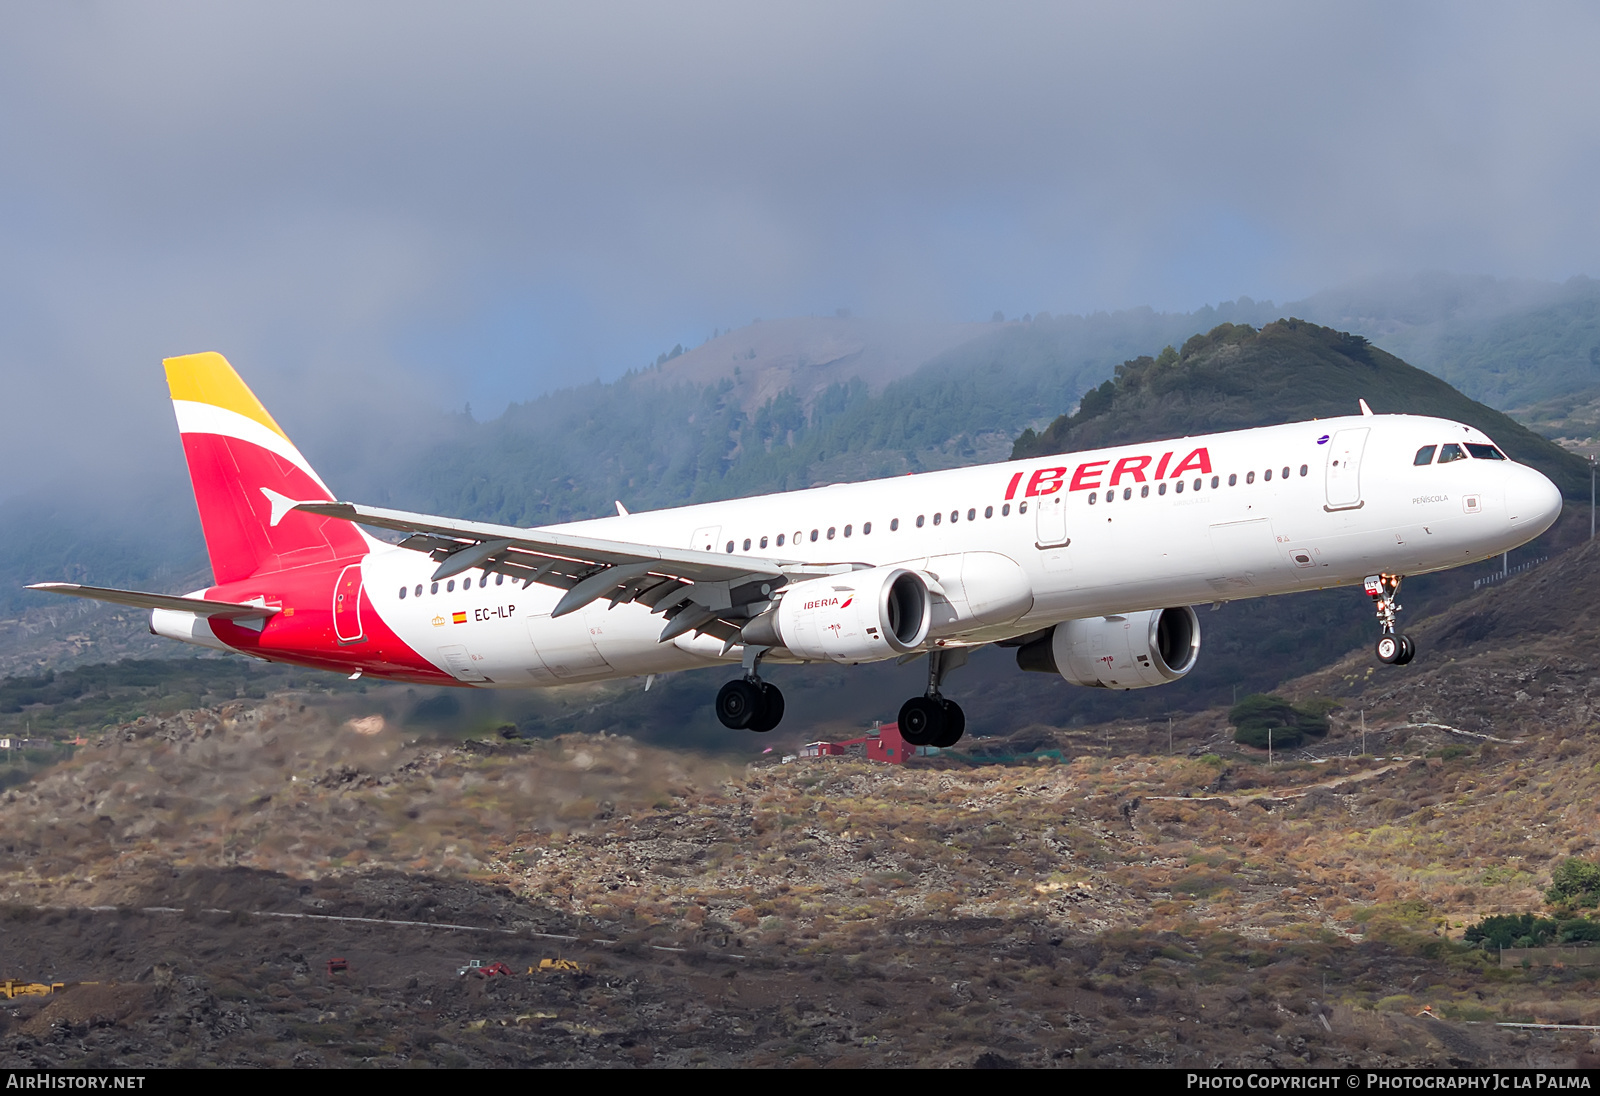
point(246, 474)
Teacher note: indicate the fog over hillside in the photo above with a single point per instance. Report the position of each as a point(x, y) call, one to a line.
point(731, 416)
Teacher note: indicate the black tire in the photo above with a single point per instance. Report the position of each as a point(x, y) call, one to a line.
point(1389, 649)
point(1408, 651)
point(771, 709)
point(922, 720)
point(739, 704)
point(955, 725)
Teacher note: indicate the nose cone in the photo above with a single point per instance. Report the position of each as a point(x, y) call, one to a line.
point(1532, 502)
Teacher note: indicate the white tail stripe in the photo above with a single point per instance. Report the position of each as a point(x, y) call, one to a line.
point(207, 418)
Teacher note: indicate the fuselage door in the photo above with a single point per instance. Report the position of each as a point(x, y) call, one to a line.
point(1052, 521)
point(347, 606)
point(705, 540)
point(1344, 468)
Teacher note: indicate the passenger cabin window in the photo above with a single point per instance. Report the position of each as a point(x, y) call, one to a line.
point(1424, 455)
point(1249, 477)
point(1215, 481)
point(450, 587)
point(894, 525)
point(499, 580)
point(419, 590)
point(919, 521)
point(434, 589)
point(1144, 492)
point(1178, 487)
point(1092, 495)
point(1162, 489)
point(988, 511)
point(746, 544)
point(866, 528)
point(1022, 508)
point(763, 542)
point(780, 540)
point(1005, 511)
point(402, 593)
point(1286, 471)
point(831, 532)
point(1485, 452)
point(1266, 477)
point(730, 546)
point(972, 515)
point(813, 536)
point(1233, 479)
point(937, 518)
point(847, 529)
point(1449, 452)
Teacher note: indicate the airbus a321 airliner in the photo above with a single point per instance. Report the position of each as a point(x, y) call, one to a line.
point(1088, 564)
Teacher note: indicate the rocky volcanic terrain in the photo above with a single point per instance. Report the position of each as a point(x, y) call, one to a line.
point(1131, 902)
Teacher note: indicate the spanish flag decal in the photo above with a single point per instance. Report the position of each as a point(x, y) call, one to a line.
point(458, 618)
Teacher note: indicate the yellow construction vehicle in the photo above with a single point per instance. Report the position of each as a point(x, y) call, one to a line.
point(30, 989)
point(559, 965)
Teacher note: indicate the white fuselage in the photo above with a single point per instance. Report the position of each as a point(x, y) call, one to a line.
point(1266, 511)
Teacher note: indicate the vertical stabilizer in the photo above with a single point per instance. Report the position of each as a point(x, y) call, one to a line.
point(244, 467)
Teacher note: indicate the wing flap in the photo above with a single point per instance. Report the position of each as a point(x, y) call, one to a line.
point(662, 578)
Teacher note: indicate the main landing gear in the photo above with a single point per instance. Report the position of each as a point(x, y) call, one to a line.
point(1393, 648)
point(931, 720)
point(749, 703)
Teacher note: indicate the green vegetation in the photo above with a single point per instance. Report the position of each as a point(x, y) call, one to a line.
point(1526, 930)
point(1531, 355)
point(1289, 724)
point(1574, 885)
point(569, 454)
point(1235, 377)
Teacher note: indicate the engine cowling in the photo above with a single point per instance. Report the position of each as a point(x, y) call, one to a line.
point(861, 616)
point(1128, 651)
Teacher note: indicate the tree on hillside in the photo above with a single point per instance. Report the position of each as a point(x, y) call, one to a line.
point(1574, 885)
point(1257, 715)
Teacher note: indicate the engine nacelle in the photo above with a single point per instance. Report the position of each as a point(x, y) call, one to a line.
point(861, 616)
point(1131, 651)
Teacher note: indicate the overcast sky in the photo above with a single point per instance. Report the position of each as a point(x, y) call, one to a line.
point(475, 202)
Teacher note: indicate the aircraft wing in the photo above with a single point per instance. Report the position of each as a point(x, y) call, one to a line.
point(228, 610)
point(696, 591)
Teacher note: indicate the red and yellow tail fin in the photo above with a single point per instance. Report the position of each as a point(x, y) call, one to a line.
point(246, 473)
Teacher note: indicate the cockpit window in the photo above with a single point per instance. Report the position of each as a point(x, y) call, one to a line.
point(1425, 455)
point(1449, 452)
point(1485, 452)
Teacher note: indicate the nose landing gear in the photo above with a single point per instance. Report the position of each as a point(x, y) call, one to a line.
point(931, 720)
point(1393, 649)
point(748, 703)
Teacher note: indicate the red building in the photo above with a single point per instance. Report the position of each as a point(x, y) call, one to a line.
point(884, 744)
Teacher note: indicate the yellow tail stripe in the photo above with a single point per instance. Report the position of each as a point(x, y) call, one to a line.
point(208, 378)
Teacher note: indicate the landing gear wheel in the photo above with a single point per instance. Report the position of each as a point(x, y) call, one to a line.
point(955, 725)
point(1390, 649)
point(739, 704)
point(771, 713)
point(923, 720)
point(1393, 648)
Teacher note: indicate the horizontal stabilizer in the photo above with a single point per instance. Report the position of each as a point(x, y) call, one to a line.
point(228, 610)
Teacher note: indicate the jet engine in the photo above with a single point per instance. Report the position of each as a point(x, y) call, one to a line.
point(1129, 651)
point(861, 616)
